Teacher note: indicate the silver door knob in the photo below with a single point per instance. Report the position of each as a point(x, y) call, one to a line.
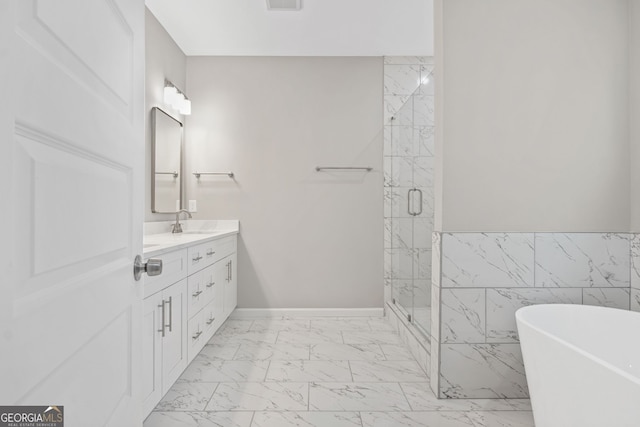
point(153, 267)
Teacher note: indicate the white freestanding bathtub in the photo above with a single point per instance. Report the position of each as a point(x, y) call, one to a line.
point(582, 365)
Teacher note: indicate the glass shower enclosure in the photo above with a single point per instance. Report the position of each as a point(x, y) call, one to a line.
point(409, 214)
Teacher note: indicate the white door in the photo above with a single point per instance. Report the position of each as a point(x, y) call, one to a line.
point(71, 189)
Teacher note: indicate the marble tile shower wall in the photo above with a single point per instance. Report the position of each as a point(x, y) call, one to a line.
point(483, 278)
point(408, 163)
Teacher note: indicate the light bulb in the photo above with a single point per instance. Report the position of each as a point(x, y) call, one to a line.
point(178, 100)
point(170, 93)
point(186, 108)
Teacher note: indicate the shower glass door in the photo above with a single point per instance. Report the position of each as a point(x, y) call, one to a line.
point(411, 178)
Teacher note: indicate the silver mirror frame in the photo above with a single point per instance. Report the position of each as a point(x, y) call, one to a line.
point(154, 112)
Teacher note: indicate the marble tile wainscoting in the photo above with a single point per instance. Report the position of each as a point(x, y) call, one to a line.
point(481, 279)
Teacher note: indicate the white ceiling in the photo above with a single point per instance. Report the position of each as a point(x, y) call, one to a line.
point(321, 28)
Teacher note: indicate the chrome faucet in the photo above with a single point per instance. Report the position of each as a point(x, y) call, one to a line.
point(177, 227)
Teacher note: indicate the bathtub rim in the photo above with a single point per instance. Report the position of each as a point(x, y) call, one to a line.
point(521, 312)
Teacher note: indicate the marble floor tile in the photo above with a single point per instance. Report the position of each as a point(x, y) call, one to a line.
point(313, 336)
point(266, 351)
point(331, 351)
point(331, 396)
point(203, 370)
point(421, 398)
point(309, 371)
point(415, 419)
point(280, 325)
point(248, 337)
point(318, 372)
point(260, 396)
point(381, 324)
point(199, 419)
point(502, 419)
point(396, 352)
point(306, 419)
point(351, 337)
point(341, 325)
point(185, 396)
point(218, 352)
point(386, 371)
point(235, 325)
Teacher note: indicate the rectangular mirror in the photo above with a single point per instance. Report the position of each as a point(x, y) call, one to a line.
point(166, 162)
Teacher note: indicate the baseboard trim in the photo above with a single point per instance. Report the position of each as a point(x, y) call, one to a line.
point(253, 313)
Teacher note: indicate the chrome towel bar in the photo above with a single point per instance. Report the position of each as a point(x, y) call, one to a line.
point(363, 168)
point(229, 174)
point(175, 174)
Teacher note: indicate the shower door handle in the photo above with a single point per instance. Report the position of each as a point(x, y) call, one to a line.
point(410, 199)
point(420, 203)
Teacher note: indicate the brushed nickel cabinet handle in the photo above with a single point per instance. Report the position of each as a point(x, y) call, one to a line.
point(196, 259)
point(170, 325)
point(211, 284)
point(211, 253)
point(210, 321)
point(197, 335)
point(197, 293)
point(162, 322)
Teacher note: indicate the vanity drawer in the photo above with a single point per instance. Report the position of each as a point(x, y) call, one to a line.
point(196, 338)
point(226, 247)
point(212, 317)
point(207, 253)
point(209, 283)
point(174, 269)
point(201, 289)
point(202, 255)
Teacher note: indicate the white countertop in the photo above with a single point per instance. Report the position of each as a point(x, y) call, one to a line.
point(158, 238)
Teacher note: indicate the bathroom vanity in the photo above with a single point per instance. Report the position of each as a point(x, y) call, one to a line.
point(188, 302)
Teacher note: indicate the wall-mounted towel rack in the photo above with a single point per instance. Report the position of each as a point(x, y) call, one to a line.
point(174, 173)
point(229, 174)
point(363, 168)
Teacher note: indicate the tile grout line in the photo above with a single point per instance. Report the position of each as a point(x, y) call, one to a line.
point(211, 397)
point(405, 397)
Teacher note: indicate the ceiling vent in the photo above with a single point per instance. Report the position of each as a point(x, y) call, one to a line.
point(284, 4)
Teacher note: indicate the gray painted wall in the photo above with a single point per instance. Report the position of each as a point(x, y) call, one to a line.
point(532, 107)
point(164, 59)
point(307, 239)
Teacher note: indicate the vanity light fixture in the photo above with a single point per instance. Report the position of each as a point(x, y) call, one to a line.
point(185, 110)
point(176, 98)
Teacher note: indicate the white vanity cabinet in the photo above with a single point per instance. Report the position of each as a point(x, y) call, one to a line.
point(164, 331)
point(183, 308)
point(230, 284)
point(208, 279)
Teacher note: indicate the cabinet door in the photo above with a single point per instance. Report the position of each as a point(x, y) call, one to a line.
point(151, 353)
point(174, 344)
point(230, 285)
